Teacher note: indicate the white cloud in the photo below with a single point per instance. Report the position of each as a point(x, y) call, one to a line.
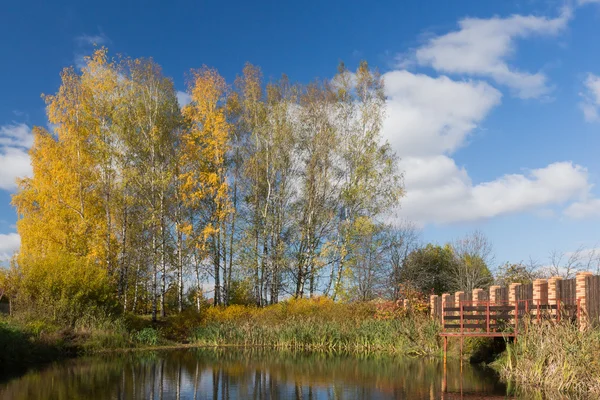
point(15, 135)
point(92, 40)
point(183, 98)
point(481, 47)
point(15, 140)
point(9, 244)
point(587, 208)
point(591, 98)
point(441, 192)
point(428, 116)
point(428, 120)
point(85, 46)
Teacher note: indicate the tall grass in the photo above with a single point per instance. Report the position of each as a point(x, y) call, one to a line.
point(320, 324)
point(554, 357)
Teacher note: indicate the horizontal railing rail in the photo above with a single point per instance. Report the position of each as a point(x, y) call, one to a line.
point(491, 318)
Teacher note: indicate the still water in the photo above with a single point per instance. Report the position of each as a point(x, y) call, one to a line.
point(252, 374)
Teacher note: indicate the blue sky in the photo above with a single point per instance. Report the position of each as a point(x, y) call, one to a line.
point(493, 106)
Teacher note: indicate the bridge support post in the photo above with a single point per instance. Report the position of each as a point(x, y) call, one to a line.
point(444, 377)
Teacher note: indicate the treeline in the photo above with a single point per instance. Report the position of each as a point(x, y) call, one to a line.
point(264, 190)
point(251, 193)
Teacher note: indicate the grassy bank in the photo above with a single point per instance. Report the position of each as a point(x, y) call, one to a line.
point(321, 324)
point(554, 357)
point(20, 347)
point(307, 324)
point(27, 342)
point(310, 324)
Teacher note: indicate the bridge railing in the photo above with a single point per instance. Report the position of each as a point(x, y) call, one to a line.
point(503, 317)
point(580, 296)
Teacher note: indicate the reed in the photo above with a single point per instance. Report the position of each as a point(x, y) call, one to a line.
point(320, 324)
point(554, 357)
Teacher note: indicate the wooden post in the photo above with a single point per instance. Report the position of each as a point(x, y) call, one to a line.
point(445, 304)
point(540, 290)
point(540, 295)
point(477, 301)
point(516, 318)
point(444, 374)
point(554, 296)
point(492, 296)
point(512, 293)
point(487, 317)
point(580, 293)
point(477, 294)
point(445, 348)
point(461, 319)
point(512, 300)
point(432, 301)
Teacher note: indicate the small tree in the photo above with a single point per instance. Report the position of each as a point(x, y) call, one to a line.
point(473, 254)
point(523, 273)
point(428, 269)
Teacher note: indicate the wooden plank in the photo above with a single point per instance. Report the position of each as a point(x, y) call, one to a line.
point(475, 308)
point(567, 291)
point(503, 316)
point(473, 326)
point(502, 308)
point(592, 296)
point(478, 334)
point(502, 296)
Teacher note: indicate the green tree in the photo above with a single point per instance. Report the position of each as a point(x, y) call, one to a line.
point(428, 269)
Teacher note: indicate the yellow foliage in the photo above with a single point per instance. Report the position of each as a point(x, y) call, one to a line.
point(205, 144)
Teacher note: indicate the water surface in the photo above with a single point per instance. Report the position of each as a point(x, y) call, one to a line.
point(252, 374)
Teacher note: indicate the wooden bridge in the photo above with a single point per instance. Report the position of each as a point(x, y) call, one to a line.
point(504, 311)
point(499, 319)
point(483, 318)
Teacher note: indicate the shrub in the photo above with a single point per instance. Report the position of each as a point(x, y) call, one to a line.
point(147, 337)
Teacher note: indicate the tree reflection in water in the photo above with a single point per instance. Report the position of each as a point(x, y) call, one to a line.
point(251, 374)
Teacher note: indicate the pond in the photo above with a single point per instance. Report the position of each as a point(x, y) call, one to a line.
point(252, 374)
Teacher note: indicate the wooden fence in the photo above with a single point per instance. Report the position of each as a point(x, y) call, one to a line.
point(581, 293)
point(592, 299)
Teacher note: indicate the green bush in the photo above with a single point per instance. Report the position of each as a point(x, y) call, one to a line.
point(147, 337)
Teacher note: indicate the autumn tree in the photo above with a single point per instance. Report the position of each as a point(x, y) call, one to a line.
point(203, 172)
point(65, 257)
point(262, 190)
point(371, 182)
